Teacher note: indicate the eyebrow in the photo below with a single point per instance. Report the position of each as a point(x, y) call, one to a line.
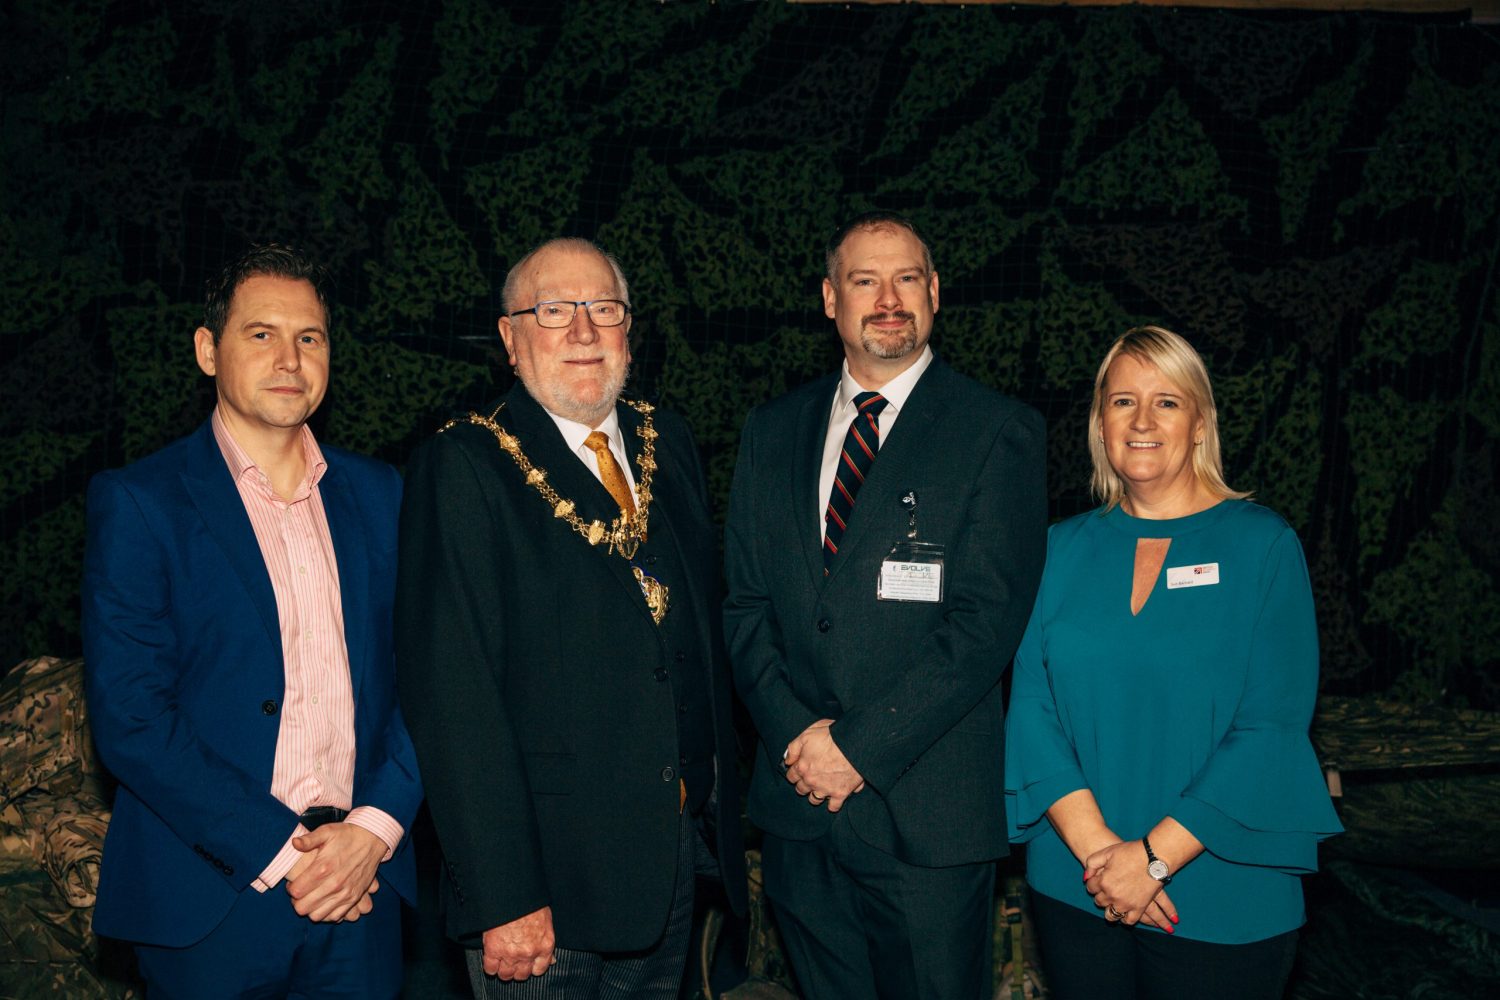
point(910, 268)
point(268, 325)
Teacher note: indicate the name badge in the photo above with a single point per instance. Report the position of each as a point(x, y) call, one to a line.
point(912, 571)
point(1203, 575)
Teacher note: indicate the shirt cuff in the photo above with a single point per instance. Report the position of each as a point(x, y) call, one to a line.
point(281, 864)
point(378, 822)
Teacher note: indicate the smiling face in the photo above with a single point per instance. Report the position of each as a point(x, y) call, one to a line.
point(576, 371)
point(1150, 428)
point(882, 300)
point(270, 365)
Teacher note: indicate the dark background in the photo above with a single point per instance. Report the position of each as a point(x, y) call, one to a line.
point(1311, 199)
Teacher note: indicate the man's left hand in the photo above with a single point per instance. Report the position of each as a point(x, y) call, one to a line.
point(336, 870)
point(818, 768)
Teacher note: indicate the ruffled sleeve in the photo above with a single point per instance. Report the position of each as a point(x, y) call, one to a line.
point(1040, 765)
point(1261, 799)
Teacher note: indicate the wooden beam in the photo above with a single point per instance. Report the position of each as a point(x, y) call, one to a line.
point(1479, 11)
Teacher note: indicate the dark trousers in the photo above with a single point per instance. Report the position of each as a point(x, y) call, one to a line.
point(263, 949)
point(653, 974)
point(858, 923)
point(1088, 958)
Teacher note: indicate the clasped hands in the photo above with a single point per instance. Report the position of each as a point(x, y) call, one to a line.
point(818, 769)
point(334, 879)
point(1116, 877)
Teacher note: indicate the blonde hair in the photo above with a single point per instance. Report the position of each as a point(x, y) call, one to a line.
point(1179, 364)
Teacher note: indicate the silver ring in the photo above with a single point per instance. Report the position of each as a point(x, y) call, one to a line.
point(1110, 909)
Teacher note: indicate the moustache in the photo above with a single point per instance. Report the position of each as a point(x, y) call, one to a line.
point(873, 317)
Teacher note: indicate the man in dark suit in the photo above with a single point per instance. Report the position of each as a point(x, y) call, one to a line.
point(559, 658)
point(237, 599)
point(885, 537)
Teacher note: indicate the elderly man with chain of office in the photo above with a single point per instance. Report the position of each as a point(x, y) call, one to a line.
point(885, 538)
point(560, 661)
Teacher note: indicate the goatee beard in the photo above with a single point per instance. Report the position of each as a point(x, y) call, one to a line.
point(880, 345)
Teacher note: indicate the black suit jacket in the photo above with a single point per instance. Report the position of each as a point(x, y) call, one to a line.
point(914, 686)
point(532, 677)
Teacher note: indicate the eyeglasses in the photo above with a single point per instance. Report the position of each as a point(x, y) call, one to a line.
point(557, 313)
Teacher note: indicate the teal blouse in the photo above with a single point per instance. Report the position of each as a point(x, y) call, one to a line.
point(1197, 708)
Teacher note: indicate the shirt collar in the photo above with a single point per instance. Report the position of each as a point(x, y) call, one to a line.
point(241, 463)
point(575, 433)
point(896, 391)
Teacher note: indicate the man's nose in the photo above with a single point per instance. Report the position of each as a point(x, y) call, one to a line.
point(288, 355)
point(581, 329)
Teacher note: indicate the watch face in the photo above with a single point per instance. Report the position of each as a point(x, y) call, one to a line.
point(1157, 870)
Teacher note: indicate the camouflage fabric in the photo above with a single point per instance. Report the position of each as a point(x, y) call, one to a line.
point(44, 739)
point(53, 814)
point(65, 835)
point(766, 959)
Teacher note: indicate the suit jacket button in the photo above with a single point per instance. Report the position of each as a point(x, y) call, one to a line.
point(667, 774)
point(651, 559)
point(268, 707)
point(229, 869)
point(660, 673)
point(824, 624)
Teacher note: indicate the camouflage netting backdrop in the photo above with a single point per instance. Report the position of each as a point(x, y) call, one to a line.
point(1311, 198)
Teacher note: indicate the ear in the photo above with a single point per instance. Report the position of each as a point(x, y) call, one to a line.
point(203, 351)
point(830, 298)
point(508, 336)
point(932, 290)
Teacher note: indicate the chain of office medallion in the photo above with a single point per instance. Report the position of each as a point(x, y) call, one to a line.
point(624, 534)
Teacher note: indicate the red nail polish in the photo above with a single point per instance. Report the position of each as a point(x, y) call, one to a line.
point(1170, 931)
point(1174, 918)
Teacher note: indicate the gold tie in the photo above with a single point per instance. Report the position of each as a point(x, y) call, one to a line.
point(611, 473)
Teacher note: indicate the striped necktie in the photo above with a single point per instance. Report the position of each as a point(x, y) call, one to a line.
point(860, 445)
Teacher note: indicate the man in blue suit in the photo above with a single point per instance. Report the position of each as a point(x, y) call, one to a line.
point(237, 598)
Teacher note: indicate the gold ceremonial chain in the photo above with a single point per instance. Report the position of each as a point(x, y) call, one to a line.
point(624, 534)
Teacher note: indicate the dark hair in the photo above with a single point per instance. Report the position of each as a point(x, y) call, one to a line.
point(276, 259)
point(871, 220)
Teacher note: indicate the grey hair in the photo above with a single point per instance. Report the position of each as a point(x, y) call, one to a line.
point(576, 243)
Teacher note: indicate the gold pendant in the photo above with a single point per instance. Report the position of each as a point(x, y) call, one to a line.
point(654, 592)
point(596, 532)
point(622, 542)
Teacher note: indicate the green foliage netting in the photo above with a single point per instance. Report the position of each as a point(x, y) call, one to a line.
point(1312, 199)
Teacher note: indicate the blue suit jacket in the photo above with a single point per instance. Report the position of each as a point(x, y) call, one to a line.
point(185, 682)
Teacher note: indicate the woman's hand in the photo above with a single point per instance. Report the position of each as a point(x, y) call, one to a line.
point(1116, 877)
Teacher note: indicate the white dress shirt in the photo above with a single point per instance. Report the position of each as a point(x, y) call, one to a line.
point(576, 434)
point(896, 393)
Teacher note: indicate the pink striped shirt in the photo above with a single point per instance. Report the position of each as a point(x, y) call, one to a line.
point(314, 763)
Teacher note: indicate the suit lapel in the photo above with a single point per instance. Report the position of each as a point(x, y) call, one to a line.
point(351, 553)
point(899, 454)
point(543, 443)
point(807, 468)
point(214, 494)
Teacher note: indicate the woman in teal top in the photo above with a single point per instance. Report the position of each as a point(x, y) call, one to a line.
point(1158, 723)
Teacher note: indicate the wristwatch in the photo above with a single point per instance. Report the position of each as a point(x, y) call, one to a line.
point(1155, 867)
